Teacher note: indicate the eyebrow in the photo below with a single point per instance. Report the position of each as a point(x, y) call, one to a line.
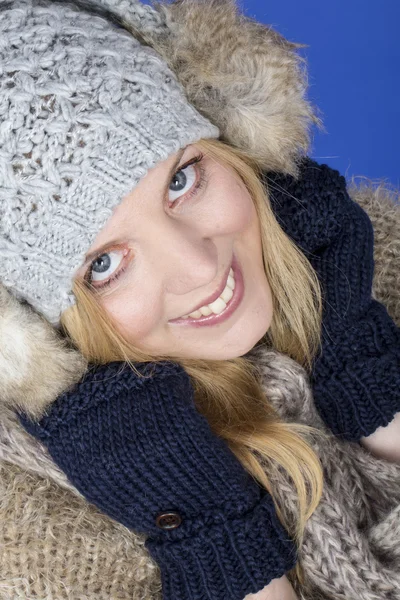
point(171, 171)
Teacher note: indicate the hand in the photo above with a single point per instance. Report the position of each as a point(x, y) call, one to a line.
point(335, 234)
point(140, 451)
point(356, 377)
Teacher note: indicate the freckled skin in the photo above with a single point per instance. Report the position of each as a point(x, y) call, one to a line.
point(179, 255)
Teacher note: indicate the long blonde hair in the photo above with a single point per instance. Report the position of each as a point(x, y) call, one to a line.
point(229, 392)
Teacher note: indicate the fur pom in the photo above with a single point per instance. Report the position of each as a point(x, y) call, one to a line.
point(36, 364)
point(240, 74)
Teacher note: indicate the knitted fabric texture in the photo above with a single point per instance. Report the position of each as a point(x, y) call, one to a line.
point(86, 111)
point(356, 377)
point(382, 203)
point(138, 448)
point(55, 545)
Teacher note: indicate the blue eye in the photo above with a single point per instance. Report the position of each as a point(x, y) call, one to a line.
point(104, 265)
point(100, 272)
point(188, 178)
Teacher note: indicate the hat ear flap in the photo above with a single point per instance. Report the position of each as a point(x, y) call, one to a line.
point(240, 74)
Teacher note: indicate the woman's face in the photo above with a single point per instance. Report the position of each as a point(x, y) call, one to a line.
point(171, 243)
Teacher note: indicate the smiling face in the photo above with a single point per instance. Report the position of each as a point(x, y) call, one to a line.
point(167, 249)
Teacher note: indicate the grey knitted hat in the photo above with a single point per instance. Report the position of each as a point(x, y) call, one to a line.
point(85, 111)
point(93, 93)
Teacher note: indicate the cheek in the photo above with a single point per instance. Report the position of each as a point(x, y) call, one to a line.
point(232, 210)
point(133, 318)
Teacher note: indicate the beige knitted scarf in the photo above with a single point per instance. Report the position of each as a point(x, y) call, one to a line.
point(56, 546)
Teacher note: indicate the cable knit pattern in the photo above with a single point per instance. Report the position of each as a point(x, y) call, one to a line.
point(356, 377)
point(136, 448)
point(85, 112)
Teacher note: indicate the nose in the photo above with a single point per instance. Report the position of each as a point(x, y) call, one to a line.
point(185, 261)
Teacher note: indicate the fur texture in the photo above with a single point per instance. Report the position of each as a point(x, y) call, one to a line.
point(36, 364)
point(242, 75)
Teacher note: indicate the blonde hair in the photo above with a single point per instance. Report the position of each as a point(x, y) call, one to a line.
point(229, 392)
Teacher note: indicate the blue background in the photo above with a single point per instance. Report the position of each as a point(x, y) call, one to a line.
point(354, 77)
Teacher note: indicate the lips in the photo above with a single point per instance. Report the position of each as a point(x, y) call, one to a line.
point(216, 294)
point(229, 310)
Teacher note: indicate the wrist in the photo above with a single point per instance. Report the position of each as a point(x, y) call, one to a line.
point(278, 589)
point(229, 559)
point(385, 441)
point(356, 379)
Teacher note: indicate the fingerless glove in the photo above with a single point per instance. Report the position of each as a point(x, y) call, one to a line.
point(356, 376)
point(138, 449)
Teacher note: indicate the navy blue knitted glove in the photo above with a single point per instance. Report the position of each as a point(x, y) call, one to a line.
point(139, 450)
point(356, 377)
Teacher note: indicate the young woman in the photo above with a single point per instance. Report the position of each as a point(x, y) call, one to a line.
point(159, 256)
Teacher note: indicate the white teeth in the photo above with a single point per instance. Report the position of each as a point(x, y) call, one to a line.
point(196, 314)
point(219, 304)
point(227, 294)
point(231, 282)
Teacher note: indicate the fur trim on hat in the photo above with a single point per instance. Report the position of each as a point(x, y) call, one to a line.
point(242, 75)
point(36, 364)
